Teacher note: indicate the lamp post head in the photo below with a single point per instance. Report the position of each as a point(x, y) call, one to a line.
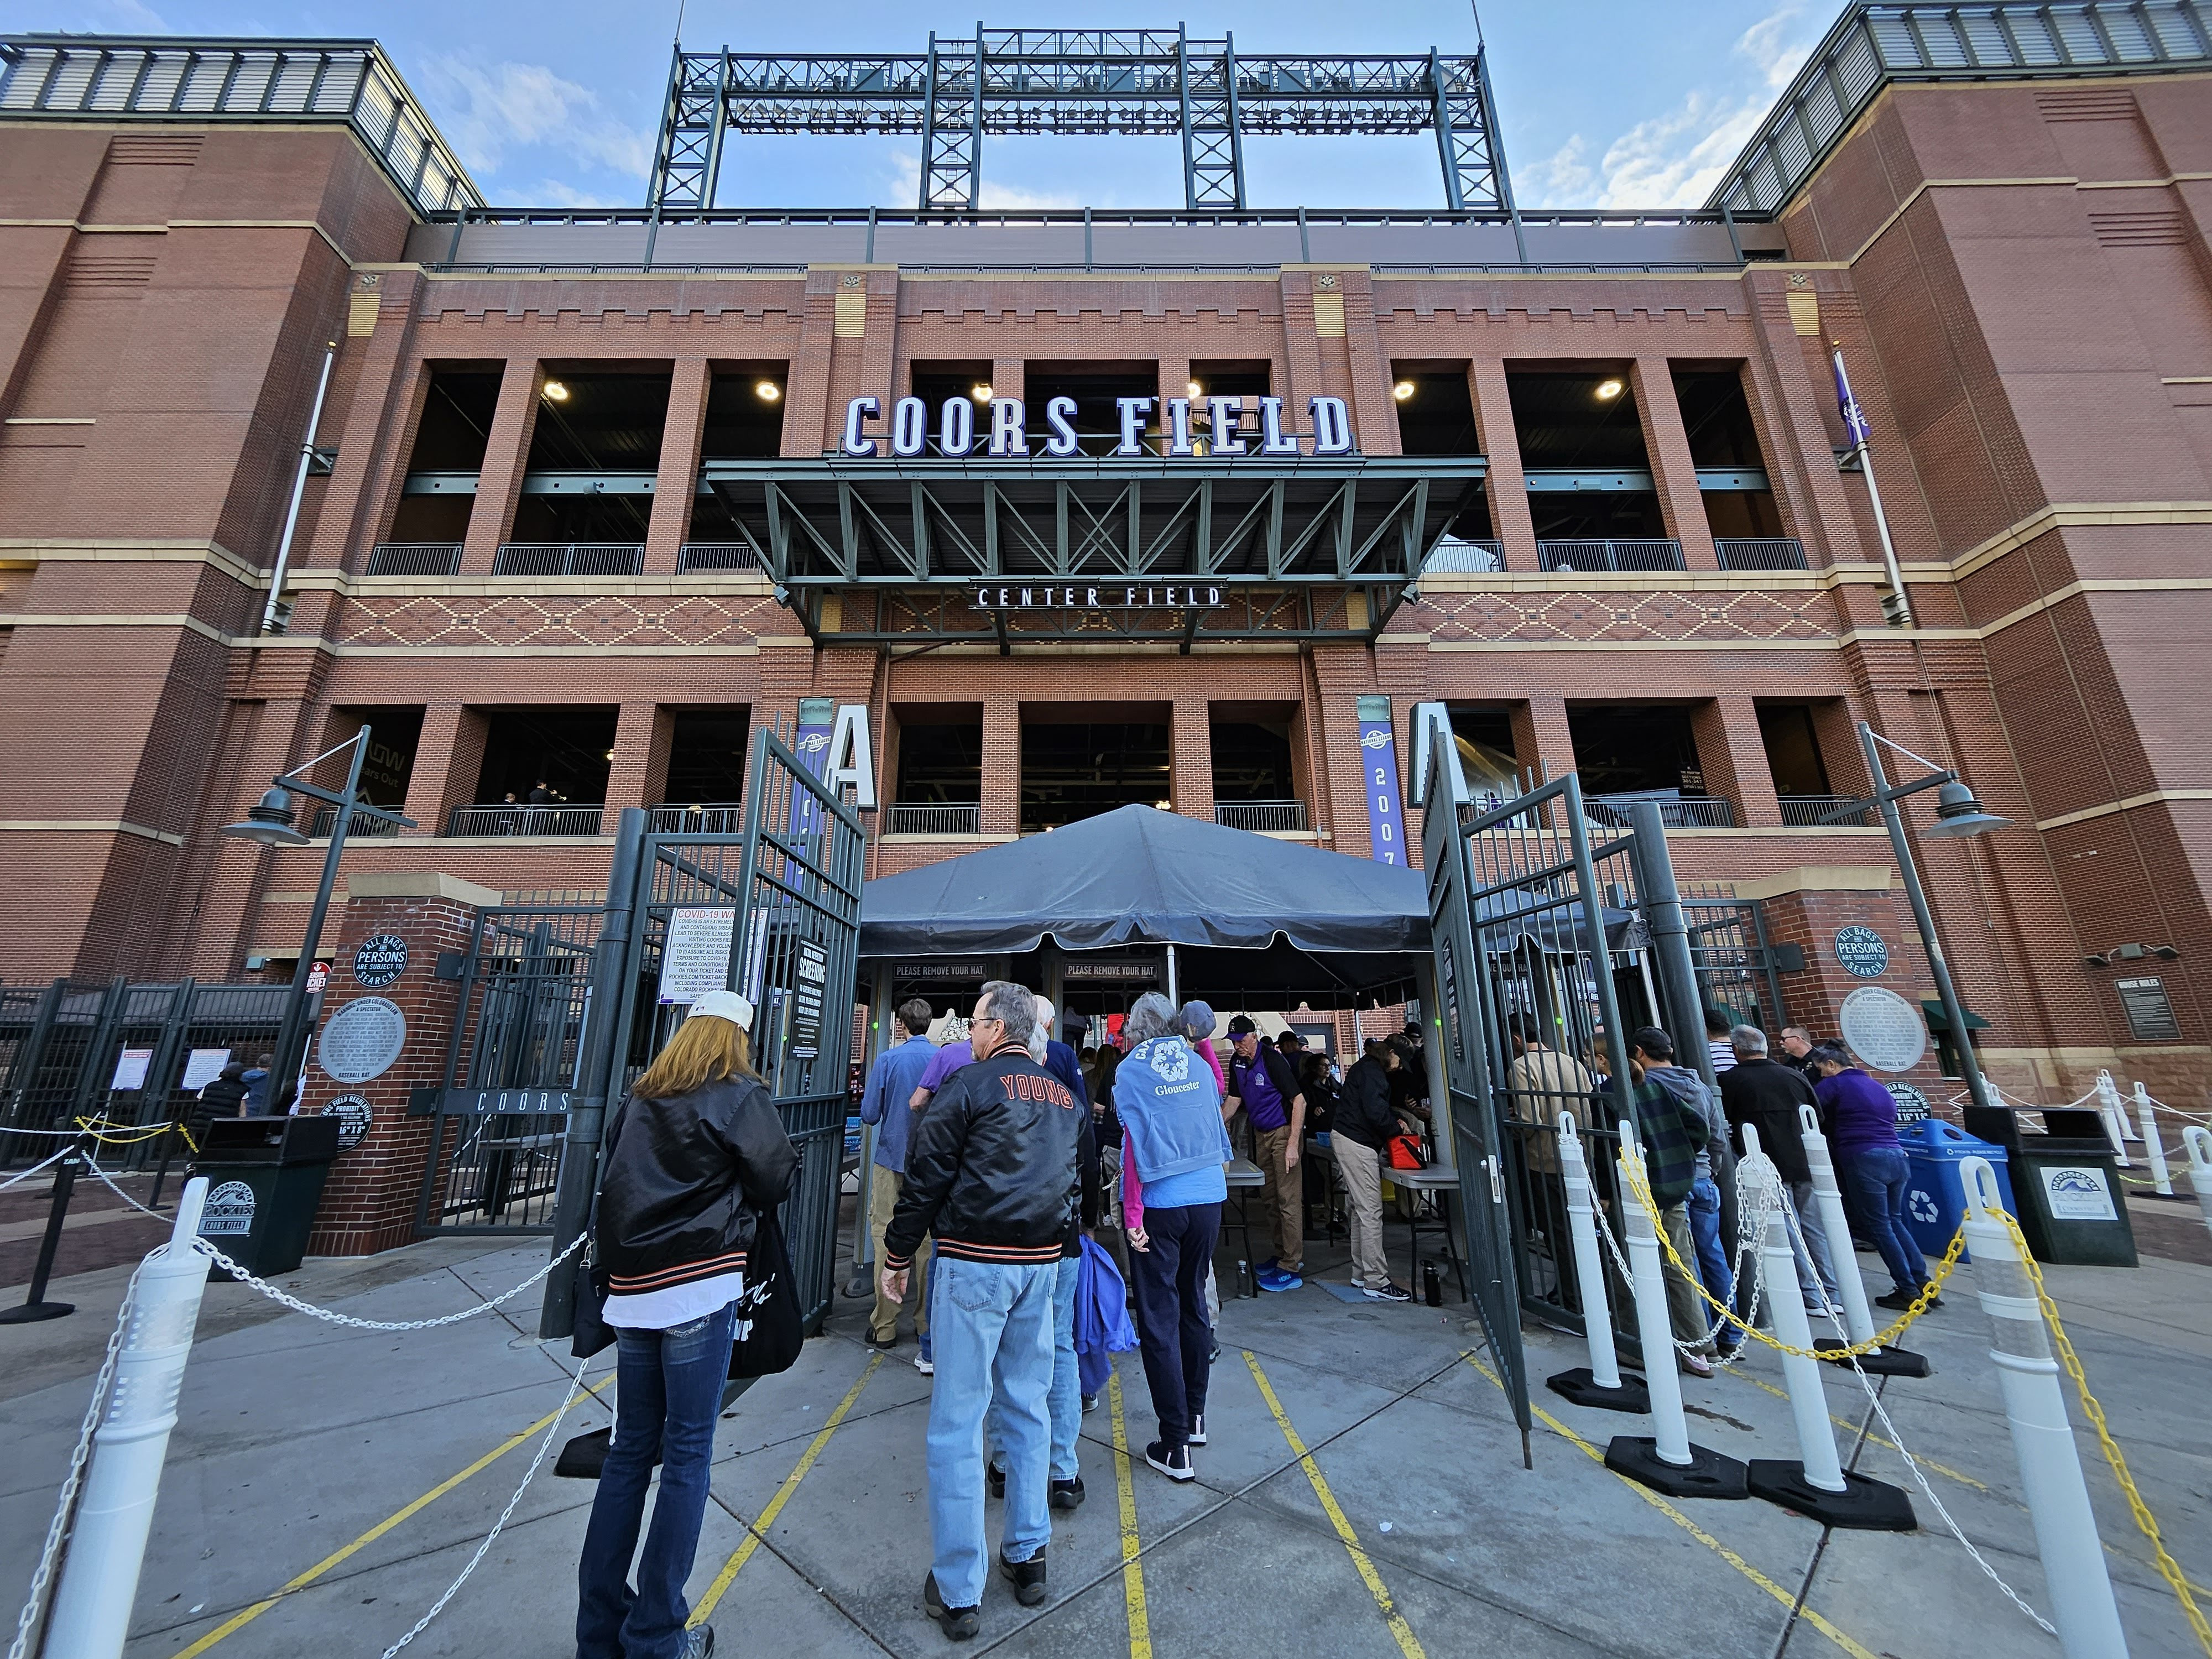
point(269, 821)
point(1958, 814)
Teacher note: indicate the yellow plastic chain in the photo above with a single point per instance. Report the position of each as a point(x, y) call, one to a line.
point(2167, 1568)
point(102, 1132)
point(1642, 1187)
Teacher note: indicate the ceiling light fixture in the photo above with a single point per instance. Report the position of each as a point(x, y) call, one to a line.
point(1195, 389)
point(981, 392)
point(557, 391)
point(1609, 390)
point(767, 391)
point(1402, 390)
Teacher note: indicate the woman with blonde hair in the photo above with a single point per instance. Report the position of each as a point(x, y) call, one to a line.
point(695, 1157)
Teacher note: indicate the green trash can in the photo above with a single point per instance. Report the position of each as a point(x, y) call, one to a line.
point(265, 1179)
point(2072, 1207)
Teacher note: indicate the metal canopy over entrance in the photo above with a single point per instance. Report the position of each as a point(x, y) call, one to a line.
point(882, 549)
point(1026, 81)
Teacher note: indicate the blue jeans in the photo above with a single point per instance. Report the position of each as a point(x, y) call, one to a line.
point(668, 1388)
point(991, 1326)
point(1066, 1400)
point(1874, 1179)
point(1705, 1207)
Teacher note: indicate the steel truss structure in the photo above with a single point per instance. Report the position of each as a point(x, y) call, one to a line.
point(871, 551)
point(1158, 82)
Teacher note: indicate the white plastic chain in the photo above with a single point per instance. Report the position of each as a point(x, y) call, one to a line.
point(276, 1293)
point(1874, 1397)
point(438, 1607)
point(1751, 1229)
point(18, 1180)
point(27, 1621)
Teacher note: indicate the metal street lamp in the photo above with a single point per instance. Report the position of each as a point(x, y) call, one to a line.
point(1958, 815)
point(269, 821)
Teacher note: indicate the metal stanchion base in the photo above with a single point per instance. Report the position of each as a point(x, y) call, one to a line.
point(1883, 1362)
point(1708, 1474)
point(30, 1313)
point(1581, 1387)
point(1863, 1505)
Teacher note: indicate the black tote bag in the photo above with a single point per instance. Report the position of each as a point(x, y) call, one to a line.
point(770, 1332)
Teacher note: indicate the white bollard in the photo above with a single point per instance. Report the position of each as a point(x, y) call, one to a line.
point(2154, 1148)
point(2041, 1438)
point(1601, 1384)
point(107, 1545)
point(2198, 1143)
point(1666, 1461)
point(1815, 1485)
point(2115, 1121)
point(1858, 1313)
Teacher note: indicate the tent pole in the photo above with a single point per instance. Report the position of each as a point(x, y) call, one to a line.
point(1172, 995)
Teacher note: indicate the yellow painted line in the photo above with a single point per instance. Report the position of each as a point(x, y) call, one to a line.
point(1407, 1643)
point(1132, 1569)
point(1924, 1462)
point(758, 1528)
point(1856, 1649)
point(240, 1620)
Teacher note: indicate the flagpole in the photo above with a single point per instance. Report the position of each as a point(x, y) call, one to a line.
point(1895, 605)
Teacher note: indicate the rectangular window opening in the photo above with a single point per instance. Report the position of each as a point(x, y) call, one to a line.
point(450, 439)
point(1641, 750)
point(1075, 766)
point(1582, 447)
point(744, 422)
point(707, 756)
point(1096, 387)
point(1724, 439)
point(1793, 750)
point(546, 757)
point(595, 452)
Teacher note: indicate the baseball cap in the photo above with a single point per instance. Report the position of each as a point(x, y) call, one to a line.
point(1242, 1026)
point(724, 1004)
point(1196, 1020)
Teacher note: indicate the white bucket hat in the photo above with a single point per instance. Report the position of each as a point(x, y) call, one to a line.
point(724, 1004)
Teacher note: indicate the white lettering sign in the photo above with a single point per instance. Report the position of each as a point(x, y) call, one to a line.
point(1006, 429)
point(695, 959)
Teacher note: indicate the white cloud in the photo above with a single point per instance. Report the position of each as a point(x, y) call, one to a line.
point(902, 187)
point(1674, 160)
point(1563, 177)
point(489, 111)
point(551, 192)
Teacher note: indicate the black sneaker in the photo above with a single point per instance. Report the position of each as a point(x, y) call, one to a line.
point(1898, 1301)
point(1386, 1292)
point(1173, 1462)
point(1197, 1435)
point(1027, 1577)
point(997, 1478)
point(959, 1623)
point(1068, 1494)
point(886, 1343)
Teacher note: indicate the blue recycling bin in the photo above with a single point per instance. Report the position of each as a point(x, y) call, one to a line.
point(1935, 1192)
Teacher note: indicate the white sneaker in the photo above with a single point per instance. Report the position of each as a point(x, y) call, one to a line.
point(925, 1364)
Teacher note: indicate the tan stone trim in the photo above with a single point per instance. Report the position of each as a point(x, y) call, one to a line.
point(1819, 878)
point(2096, 584)
point(48, 550)
point(2149, 797)
point(1832, 643)
point(1660, 581)
point(1764, 832)
point(903, 839)
point(98, 826)
point(793, 275)
point(163, 228)
point(2062, 515)
point(1472, 276)
point(51, 420)
point(693, 584)
point(419, 884)
point(190, 624)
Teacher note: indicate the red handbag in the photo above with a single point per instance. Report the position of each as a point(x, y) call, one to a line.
point(1406, 1153)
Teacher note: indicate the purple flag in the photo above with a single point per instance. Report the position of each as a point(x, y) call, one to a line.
point(1855, 420)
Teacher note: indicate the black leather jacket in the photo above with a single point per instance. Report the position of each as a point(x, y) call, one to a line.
point(684, 1184)
point(1364, 1115)
point(992, 1169)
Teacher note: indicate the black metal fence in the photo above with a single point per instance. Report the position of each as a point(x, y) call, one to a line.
point(130, 1055)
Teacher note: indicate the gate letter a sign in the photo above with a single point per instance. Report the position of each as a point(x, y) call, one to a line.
point(851, 759)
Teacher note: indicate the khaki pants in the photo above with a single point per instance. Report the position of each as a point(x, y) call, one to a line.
point(1360, 1169)
point(1283, 1195)
point(1686, 1308)
point(882, 1319)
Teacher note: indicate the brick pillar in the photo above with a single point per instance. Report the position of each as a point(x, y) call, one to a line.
point(677, 482)
point(1543, 742)
point(1190, 777)
point(1508, 486)
point(1002, 766)
point(1374, 410)
point(640, 768)
point(1667, 445)
point(1807, 906)
point(506, 455)
point(447, 758)
point(1733, 757)
point(369, 1202)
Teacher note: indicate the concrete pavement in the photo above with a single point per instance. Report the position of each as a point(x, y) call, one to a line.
point(298, 1443)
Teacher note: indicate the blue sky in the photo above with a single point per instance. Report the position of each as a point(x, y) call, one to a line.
point(1604, 103)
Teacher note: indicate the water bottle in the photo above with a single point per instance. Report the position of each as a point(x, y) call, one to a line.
point(1432, 1288)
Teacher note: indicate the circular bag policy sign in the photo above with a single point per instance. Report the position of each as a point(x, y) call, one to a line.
point(362, 1040)
point(1883, 1029)
point(1862, 952)
point(354, 1115)
point(380, 961)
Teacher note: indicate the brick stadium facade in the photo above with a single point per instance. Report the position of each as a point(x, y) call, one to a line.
point(2017, 270)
